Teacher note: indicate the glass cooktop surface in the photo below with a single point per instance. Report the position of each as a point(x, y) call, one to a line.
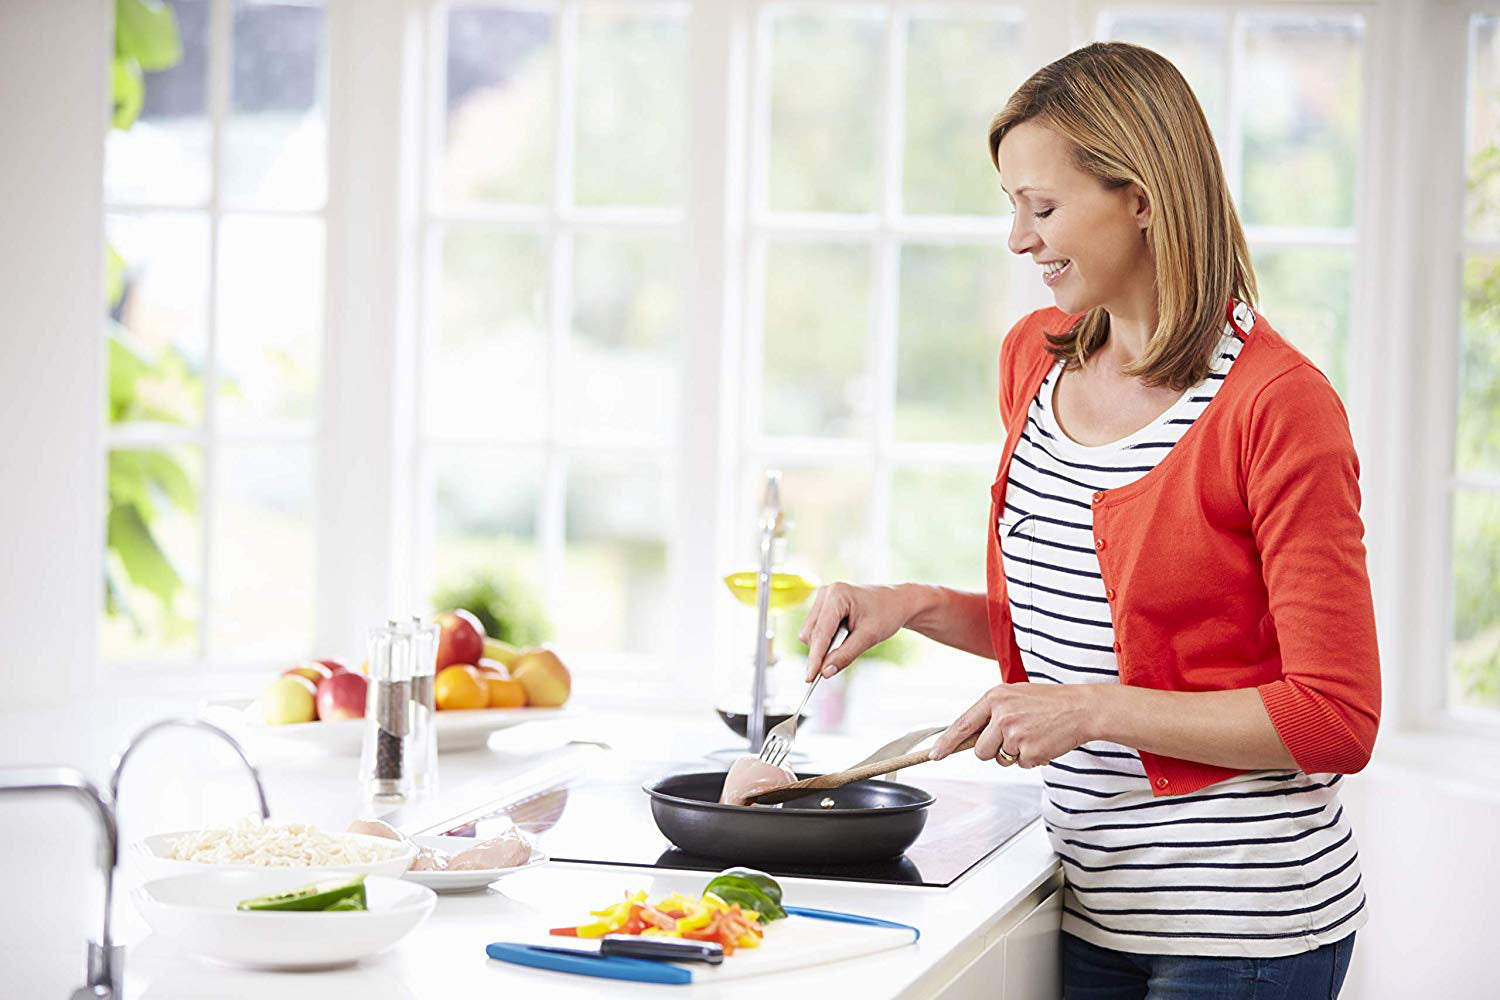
point(606, 819)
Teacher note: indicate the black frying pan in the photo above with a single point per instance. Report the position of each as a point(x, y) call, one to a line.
point(868, 821)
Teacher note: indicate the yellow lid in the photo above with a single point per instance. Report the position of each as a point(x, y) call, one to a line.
point(787, 589)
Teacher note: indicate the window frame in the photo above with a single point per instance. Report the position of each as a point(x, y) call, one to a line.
point(379, 82)
point(206, 436)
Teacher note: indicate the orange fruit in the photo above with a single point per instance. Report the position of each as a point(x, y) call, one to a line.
point(460, 686)
point(504, 692)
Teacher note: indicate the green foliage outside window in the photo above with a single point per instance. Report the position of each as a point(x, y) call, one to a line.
point(160, 387)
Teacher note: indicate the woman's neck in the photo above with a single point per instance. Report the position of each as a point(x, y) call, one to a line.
point(1132, 321)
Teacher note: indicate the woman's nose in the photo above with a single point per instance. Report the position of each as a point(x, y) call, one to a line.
point(1022, 237)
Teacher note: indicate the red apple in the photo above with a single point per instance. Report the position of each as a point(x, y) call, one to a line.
point(312, 670)
point(341, 696)
point(333, 665)
point(460, 638)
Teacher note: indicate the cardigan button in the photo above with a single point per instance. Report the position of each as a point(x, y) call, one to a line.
point(1109, 594)
point(1098, 497)
point(1099, 544)
point(1117, 645)
point(1162, 782)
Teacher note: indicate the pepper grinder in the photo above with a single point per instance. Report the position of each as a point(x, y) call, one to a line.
point(382, 764)
point(421, 743)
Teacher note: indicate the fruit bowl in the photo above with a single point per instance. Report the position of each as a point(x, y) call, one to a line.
point(456, 730)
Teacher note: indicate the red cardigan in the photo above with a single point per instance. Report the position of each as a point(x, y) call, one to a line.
point(1237, 562)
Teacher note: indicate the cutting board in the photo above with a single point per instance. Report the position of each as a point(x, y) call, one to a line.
point(805, 938)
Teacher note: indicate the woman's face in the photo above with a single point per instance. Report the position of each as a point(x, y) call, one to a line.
point(1088, 239)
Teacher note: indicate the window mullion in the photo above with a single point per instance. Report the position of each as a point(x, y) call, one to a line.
point(1433, 155)
point(220, 52)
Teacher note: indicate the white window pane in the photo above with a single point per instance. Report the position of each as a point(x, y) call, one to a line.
point(632, 101)
point(1197, 43)
point(826, 81)
point(1302, 125)
point(485, 507)
point(1484, 127)
point(156, 370)
point(1478, 433)
point(1476, 598)
point(262, 552)
point(487, 365)
point(939, 525)
point(497, 142)
point(163, 158)
point(270, 314)
point(959, 71)
point(955, 308)
point(1305, 294)
point(275, 140)
point(827, 511)
point(616, 594)
point(623, 370)
point(152, 594)
point(816, 341)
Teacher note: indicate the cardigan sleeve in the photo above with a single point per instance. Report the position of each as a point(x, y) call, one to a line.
point(1302, 490)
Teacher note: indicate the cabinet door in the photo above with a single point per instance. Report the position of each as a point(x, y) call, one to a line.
point(1033, 957)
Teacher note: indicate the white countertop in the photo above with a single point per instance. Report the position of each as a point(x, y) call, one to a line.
point(180, 781)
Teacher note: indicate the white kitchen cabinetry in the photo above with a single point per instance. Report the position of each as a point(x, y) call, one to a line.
point(1021, 959)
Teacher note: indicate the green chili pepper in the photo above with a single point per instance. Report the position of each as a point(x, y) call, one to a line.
point(753, 890)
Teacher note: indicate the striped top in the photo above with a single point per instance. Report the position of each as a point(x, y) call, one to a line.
point(1263, 864)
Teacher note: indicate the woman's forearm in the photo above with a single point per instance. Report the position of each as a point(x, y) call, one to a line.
point(954, 618)
point(1226, 728)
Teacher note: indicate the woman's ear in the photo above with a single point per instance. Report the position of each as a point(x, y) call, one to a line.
point(1140, 206)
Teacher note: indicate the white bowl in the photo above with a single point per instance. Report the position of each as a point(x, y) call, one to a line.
point(197, 912)
point(456, 730)
point(156, 852)
point(465, 881)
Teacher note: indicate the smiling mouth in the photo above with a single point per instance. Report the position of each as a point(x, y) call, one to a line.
point(1053, 273)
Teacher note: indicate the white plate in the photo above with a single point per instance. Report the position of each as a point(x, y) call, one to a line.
point(465, 881)
point(156, 851)
point(197, 913)
point(456, 730)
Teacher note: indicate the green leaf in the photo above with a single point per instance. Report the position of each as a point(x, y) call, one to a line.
point(128, 484)
point(129, 91)
point(146, 31)
point(145, 563)
point(126, 366)
point(168, 477)
point(114, 276)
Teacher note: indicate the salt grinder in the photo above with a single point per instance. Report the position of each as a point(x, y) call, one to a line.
point(421, 742)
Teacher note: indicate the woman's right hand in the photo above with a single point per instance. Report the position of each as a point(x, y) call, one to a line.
point(874, 614)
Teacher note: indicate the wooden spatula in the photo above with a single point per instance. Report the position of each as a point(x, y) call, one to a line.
point(839, 779)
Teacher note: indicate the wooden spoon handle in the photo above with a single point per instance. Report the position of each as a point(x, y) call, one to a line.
point(838, 779)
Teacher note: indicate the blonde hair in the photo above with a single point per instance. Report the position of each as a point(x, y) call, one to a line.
point(1131, 118)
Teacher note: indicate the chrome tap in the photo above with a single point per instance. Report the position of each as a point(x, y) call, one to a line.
point(772, 530)
point(118, 764)
point(102, 967)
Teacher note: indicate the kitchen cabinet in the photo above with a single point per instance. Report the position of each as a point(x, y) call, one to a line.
point(1021, 954)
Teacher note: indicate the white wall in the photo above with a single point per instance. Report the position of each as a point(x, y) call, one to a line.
point(54, 59)
point(1428, 845)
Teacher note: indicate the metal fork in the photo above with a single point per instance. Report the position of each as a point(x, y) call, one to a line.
point(778, 744)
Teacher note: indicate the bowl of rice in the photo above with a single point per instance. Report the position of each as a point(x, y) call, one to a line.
point(252, 845)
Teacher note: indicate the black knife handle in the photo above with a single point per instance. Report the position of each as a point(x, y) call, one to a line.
point(660, 949)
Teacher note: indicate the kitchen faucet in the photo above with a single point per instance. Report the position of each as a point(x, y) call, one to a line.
point(102, 971)
point(118, 764)
point(772, 530)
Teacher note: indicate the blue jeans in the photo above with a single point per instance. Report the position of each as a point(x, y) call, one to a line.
point(1093, 973)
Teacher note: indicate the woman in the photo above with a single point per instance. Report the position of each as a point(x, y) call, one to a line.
point(1177, 594)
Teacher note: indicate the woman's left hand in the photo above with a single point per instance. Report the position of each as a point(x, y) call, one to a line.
point(1032, 723)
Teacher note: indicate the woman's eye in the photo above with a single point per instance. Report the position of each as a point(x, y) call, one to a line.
point(1043, 214)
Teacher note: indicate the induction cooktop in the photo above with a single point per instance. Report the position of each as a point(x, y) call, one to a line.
point(606, 819)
